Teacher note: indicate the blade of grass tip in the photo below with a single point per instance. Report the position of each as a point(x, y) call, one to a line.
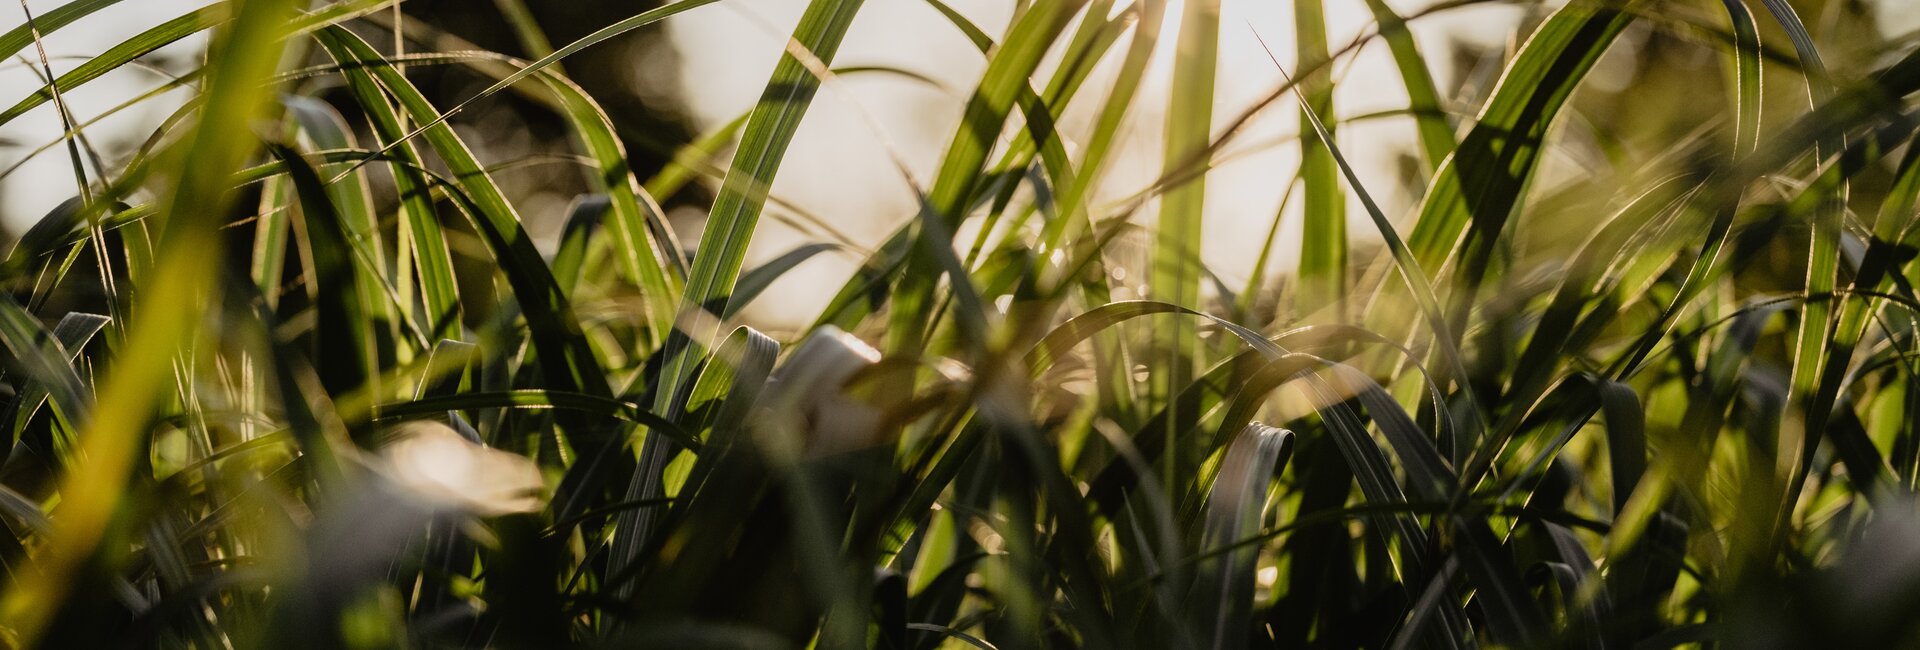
point(1423, 99)
point(1409, 270)
point(730, 225)
point(72, 333)
point(1223, 587)
point(756, 281)
point(1323, 231)
point(242, 60)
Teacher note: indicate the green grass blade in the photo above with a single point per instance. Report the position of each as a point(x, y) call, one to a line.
point(72, 333)
point(1028, 39)
point(1423, 98)
point(1474, 191)
point(567, 362)
point(730, 225)
point(419, 223)
point(20, 37)
point(344, 355)
point(1323, 239)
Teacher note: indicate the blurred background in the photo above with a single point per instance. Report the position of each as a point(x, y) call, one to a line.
point(909, 72)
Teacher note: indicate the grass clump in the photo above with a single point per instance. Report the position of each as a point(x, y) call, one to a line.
point(294, 373)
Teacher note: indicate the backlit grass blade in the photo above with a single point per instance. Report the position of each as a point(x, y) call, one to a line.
point(952, 193)
point(1475, 190)
point(641, 20)
point(344, 354)
point(1323, 239)
point(583, 222)
point(1423, 99)
point(1410, 271)
point(353, 201)
point(756, 280)
point(653, 264)
point(730, 225)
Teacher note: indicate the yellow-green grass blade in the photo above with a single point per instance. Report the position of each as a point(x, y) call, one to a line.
point(1175, 268)
point(1423, 98)
point(653, 264)
point(243, 60)
point(1475, 190)
point(1323, 239)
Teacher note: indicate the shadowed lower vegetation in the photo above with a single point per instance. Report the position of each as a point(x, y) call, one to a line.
point(1637, 369)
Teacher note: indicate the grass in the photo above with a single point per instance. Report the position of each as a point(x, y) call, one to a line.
point(293, 373)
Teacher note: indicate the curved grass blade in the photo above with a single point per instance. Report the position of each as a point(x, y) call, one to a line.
point(756, 281)
point(72, 334)
point(1223, 588)
point(567, 362)
point(583, 220)
point(344, 354)
point(1478, 186)
point(419, 226)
